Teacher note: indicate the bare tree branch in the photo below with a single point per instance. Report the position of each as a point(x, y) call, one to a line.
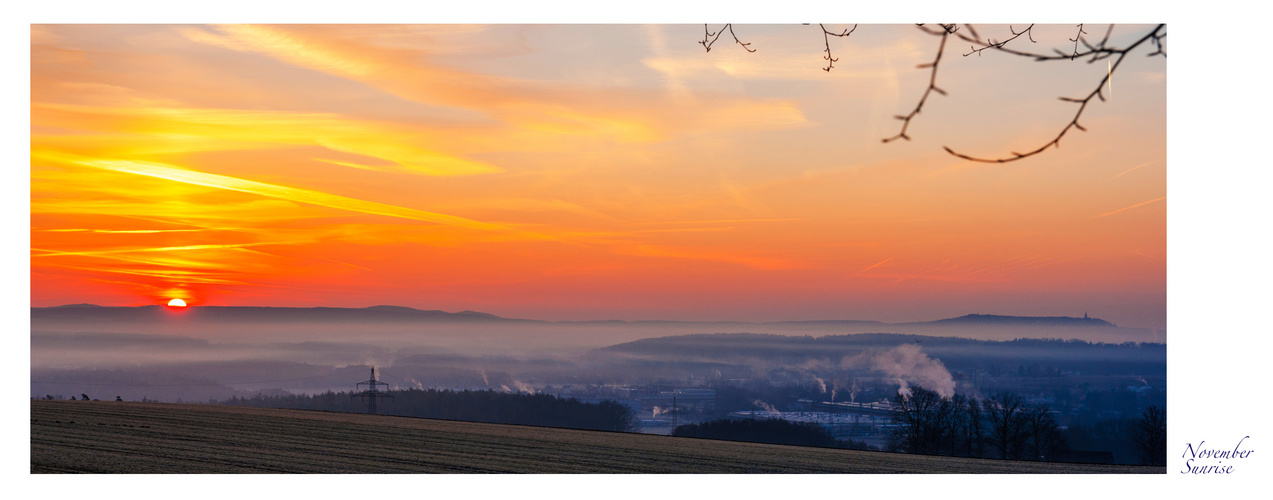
point(707, 34)
point(1099, 51)
point(1155, 36)
point(991, 44)
point(932, 83)
point(826, 38)
point(1079, 36)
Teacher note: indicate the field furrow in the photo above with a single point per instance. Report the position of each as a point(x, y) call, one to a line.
point(120, 437)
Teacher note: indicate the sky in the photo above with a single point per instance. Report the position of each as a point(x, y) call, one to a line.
point(574, 172)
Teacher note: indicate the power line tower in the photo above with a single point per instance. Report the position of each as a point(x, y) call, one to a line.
point(372, 393)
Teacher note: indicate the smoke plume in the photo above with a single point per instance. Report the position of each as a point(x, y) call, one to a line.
point(904, 365)
point(767, 407)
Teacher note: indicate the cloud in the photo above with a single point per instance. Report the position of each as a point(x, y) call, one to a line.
point(175, 174)
point(54, 253)
point(176, 129)
point(410, 73)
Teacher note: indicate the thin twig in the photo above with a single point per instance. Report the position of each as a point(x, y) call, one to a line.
point(991, 44)
point(932, 85)
point(709, 38)
point(826, 38)
point(1097, 52)
point(1078, 37)
point(1154, 36)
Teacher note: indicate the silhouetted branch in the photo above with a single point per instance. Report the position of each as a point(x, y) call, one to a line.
point(707, 34)
point(1099, 51)
point(992, 44)
point(826, 38)
point(1155, 36)
point(932, 84)
point(1079, 36)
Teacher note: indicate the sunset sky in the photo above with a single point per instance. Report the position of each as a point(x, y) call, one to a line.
point(571, 172)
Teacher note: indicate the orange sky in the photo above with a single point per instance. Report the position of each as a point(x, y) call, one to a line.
point(590, 172)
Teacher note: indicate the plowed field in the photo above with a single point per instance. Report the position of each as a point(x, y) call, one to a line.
point(123, 437)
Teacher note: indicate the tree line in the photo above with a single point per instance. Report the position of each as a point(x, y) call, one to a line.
point(472, 406)
point(1004, 426)
point(772, 431)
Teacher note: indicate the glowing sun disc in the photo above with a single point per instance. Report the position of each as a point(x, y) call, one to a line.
point(176, 303)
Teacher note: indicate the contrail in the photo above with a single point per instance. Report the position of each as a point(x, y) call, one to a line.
point(877, 264)
point(1143, 203)
point(1120, 174)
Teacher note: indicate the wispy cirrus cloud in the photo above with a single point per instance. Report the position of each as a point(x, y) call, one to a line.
point(168, 172)
point(174, 130)
point(216, 246)
point(550, 107)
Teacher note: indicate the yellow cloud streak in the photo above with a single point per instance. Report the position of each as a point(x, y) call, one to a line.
point(194, 129)
point(120, 231)
point(175, 174)
point(54, 253)
point(171, 275)
point(531, 105)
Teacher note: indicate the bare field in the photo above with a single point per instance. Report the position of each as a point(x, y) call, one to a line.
point(125, 437)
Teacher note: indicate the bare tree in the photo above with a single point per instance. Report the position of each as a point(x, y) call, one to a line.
point(1083, 48)
point(976, 433)
point(954, 420)
point(1046, 440)
point(917, 417)
point(1006, 419)
point(1150, 436)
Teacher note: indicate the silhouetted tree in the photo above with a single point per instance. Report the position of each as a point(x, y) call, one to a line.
point(1150, 436)
point(976, 430)
point(1006, 420)
point(473, 406)
point(1046, 440)
point(955, 423)
point(918, 418)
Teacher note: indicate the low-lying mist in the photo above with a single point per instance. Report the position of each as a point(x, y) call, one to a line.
point(153, 353)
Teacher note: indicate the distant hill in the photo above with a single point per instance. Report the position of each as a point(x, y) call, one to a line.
point(706, 352)
point(991, 319)
point(156, 318)
point(401, 313)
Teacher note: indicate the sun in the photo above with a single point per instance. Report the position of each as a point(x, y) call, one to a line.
point(176, 303)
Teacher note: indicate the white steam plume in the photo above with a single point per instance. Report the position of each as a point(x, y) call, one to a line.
point(767, 407)
point(904, 365)
point(522, 387)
